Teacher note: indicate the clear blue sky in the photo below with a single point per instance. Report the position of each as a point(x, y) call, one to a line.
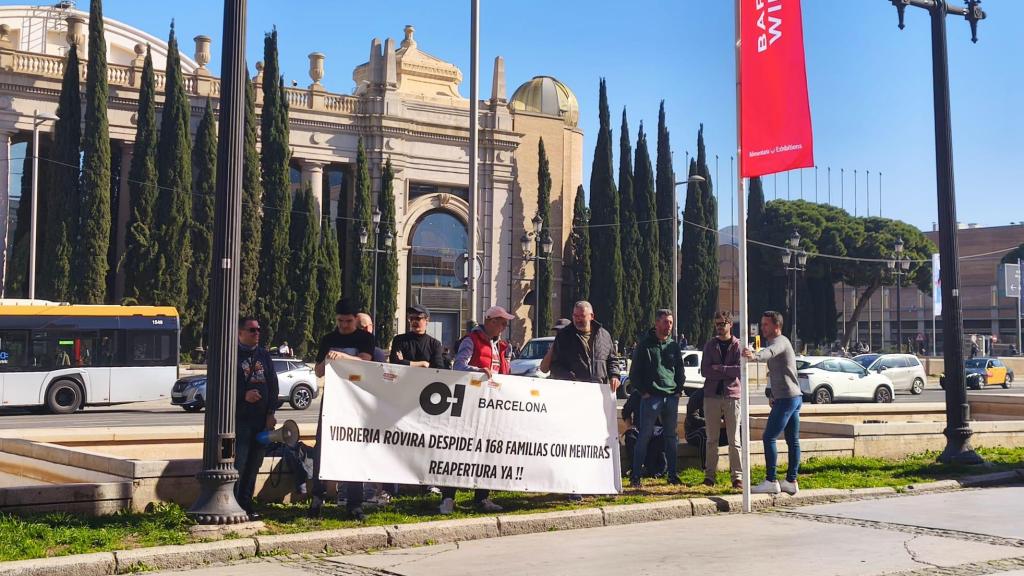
point(870, 83)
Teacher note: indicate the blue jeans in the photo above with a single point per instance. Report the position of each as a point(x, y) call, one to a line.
point(652, 408)
point(248, 460)
point(785, 415)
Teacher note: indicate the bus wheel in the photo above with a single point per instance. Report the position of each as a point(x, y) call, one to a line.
point(64, 397)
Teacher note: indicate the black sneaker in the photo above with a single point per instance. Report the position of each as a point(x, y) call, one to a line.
point(357, 514)
point(315, 507)
point(674, 480)
point(255, 516)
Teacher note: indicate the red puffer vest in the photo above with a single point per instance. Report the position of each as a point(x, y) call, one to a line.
point(481, 357)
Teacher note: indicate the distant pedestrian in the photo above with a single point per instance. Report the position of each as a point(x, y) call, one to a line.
point(365, 323)
point(785, 400)
point(416, 347)
point(683, 342)
point(720, 365)
point(974, 349)
point(657, 372)
point(284, 349)
point(256, 402)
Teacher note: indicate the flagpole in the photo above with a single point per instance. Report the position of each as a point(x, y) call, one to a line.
point(741, 228)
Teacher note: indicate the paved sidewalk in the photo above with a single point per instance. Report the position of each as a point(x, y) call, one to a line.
point(969, 532)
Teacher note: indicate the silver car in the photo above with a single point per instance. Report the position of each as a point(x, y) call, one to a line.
point(905, 370)
point(296, 386)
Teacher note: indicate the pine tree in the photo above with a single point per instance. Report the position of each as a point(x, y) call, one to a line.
point(629, 239)
point(90, 251)
point(304, 238)
point(17, 270)
point(691, 286)
point(647, 215)
point(174, 200)
point(328, 279)
point(605, 256)
point(580, 239)
point(545, 271)
point(665, 189)
point(387, 280)
point(274, 294)
point(252, 211)
point(204, 163)
point(62, 189)
point(709, 266)
point(141, 251)
point(361, 283)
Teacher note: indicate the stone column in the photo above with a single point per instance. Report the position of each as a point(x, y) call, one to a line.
point(5, 202)
point(313, 174)
point(124, 207)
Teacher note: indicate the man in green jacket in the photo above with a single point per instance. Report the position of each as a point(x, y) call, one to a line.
point(657, 373)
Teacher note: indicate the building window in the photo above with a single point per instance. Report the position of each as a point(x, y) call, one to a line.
point(417, 189)
point(438, 246)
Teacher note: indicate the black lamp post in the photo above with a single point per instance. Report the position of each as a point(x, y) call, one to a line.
point(900, 267)
point(958, 412)
point(794, 260)
point(216, 503)
point(533, 245)
point(364, 237)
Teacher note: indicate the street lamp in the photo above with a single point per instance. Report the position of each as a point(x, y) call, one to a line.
point(958, 432)
point(794, 260)
point(900, 267)
point(542, 251)
point(38, 118)
point(695, 179)
point(389, 238)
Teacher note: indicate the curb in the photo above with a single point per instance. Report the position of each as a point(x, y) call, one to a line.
point(350, 540)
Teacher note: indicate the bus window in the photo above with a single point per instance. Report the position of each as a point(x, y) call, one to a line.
point(13, 349)
point(52, 351)
point(106, 353)
point(152, 348)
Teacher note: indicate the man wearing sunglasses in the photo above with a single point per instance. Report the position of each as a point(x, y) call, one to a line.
point(255, 405)
point(416, 347)
point(720, 365)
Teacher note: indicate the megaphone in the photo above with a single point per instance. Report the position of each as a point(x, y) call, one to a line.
point(287, 434)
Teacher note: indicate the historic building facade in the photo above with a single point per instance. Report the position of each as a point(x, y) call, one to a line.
point(406, 106)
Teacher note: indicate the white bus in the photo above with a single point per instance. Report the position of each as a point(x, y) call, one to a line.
point(64, 356)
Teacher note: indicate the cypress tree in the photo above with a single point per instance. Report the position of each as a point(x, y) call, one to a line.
point(709, 266)
point(646, 215)
point(17, 270)
point(90, 251)
point(328, 279)
point(387, 280)
point(545, 271)
point(361, 283)
point(580, 240)
point(62, 189)
point(605, 256)
point(758, 262)
point(305, 243)
point(174, 199)
point(665, 189)
point(141, 249)
point(252, 198)
point(630, 243)
point(691, 286)
point(273, 292)
point(204, 162)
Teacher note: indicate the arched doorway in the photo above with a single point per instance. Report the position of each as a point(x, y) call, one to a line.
point(437, 249)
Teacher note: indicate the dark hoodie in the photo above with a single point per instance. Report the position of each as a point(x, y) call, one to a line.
point(657, 366)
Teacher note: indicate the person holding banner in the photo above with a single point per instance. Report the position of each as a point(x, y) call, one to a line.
point(582, 351)
point(657, 373)
point(416, 347)
point(720, 365)
point(785, 400)
point(482, 350)
point(255, 405)
point(345, 342)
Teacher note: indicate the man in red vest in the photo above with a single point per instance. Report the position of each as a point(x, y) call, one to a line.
point(482, 350)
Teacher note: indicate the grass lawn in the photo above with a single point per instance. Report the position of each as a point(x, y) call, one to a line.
point(57, 534)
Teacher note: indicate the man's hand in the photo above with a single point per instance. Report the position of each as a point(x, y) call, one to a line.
point(490, 375)
point(615, 384)
point(419, 363)
point(398, 354)
point(748, 353)
point(336, 355)
point(271, 421)
point(253, 396)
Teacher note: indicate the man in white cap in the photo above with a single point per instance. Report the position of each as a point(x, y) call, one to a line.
point(482, 350)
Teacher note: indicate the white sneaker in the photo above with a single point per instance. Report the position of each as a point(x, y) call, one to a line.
point(766, 487)
point(488, 505)
point(790, 488)
point(447, 506)
point(434, 490)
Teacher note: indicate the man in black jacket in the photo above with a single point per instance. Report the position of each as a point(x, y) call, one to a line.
point(583, 351)
point(416, 347)
point(256, 401)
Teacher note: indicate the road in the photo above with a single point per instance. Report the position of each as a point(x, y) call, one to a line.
point(161, 413)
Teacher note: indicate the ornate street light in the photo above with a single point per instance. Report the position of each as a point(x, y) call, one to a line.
point(364, 238)
point(899, 266)
point(540, 251)
point(794, 260)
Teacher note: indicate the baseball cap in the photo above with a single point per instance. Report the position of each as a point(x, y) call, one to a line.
point(498, 312)
point(418, 309)
point(561, 323)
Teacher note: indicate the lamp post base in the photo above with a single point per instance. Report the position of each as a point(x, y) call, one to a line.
point(958, 448)
point(216, 503)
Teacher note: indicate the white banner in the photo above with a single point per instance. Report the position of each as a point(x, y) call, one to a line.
point(389, 423)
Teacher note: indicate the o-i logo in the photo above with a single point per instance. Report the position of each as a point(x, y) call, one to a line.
point(436, 398)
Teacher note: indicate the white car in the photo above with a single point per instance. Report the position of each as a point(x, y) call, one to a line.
point(905, 370)
point(824, 379)
point(528, 361)
point(295, 379)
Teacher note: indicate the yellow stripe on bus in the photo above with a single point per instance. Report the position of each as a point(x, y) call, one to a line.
point(88, 310)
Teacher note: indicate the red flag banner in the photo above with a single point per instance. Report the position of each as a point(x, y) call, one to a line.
point(776, 116)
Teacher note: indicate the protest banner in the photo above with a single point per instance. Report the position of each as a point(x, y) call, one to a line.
point(389, 423)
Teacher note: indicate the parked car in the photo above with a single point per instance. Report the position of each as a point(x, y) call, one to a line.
point(296, 386)
point(824, 379)
point(528, 361)
point(981, 372)
point(905, 370)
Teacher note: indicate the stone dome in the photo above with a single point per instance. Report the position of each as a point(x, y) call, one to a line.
point(546, 95)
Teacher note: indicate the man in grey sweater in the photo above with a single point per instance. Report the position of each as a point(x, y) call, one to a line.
point(785, 399)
